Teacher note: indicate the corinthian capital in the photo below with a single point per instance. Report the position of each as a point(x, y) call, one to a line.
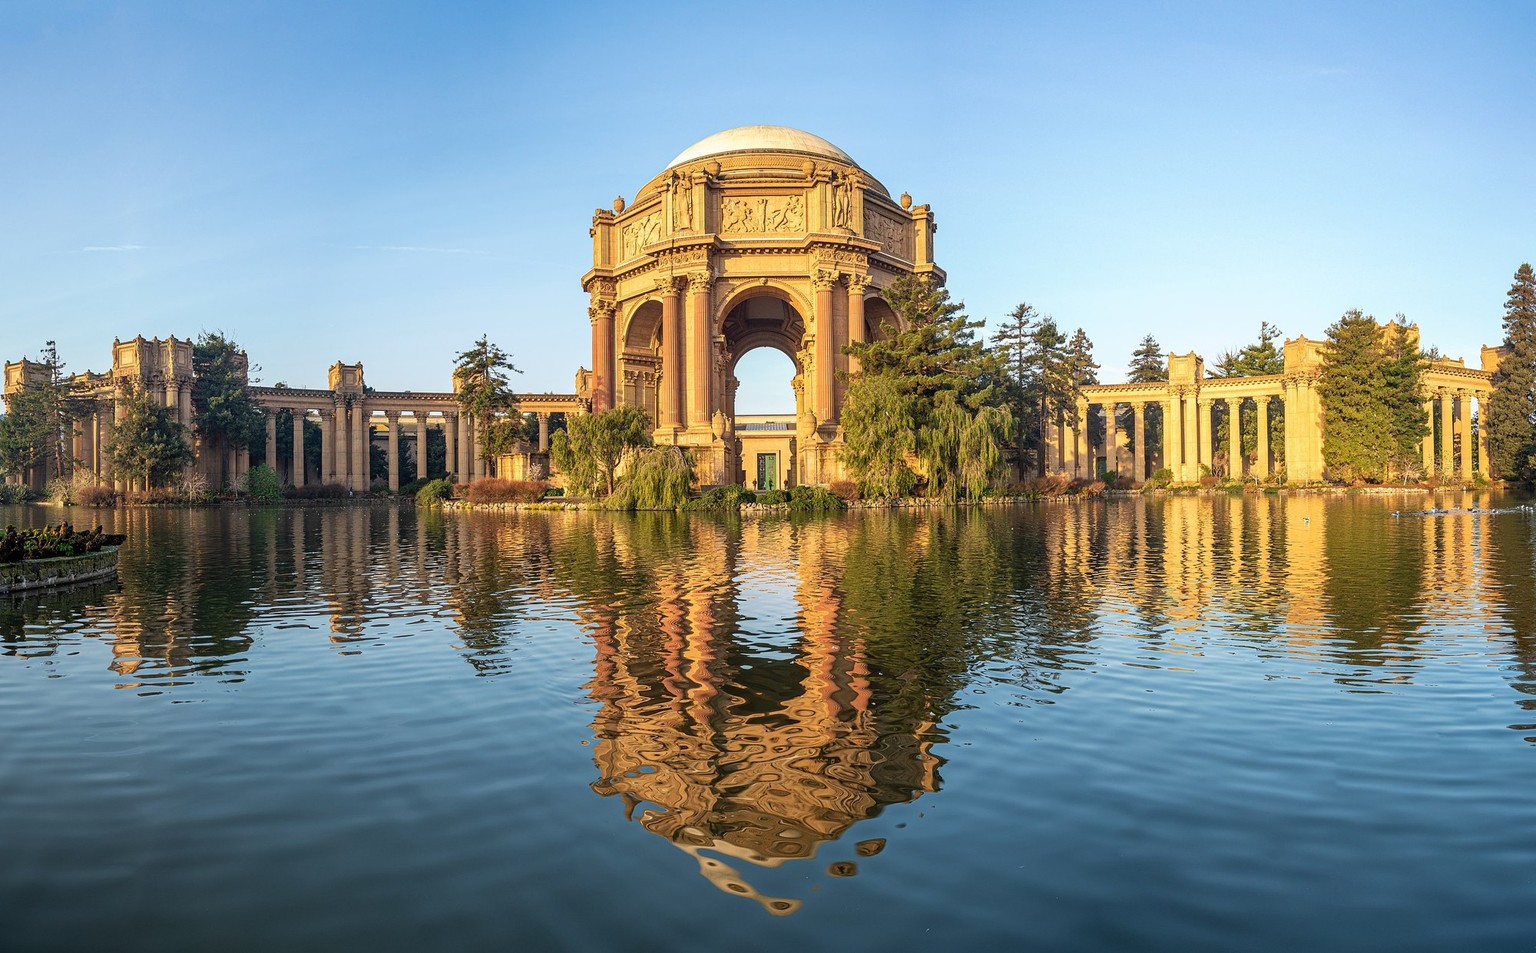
point(824, 279)
point(699, 282)
point(600, 310)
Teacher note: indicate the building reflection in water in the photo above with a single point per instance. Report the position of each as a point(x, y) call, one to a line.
point(764, 686)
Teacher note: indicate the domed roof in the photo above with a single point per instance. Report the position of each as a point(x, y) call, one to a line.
point(761, 139)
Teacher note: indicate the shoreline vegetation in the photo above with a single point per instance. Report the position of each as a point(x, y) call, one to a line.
point(490, 494)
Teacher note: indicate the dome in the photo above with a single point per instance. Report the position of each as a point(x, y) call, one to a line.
point(761, 139)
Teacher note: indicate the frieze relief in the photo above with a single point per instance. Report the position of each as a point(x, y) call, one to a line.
point(762, 214)
point(639, 234)
point(891, 234)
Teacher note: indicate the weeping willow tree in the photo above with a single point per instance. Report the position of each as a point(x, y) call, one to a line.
point(658, 479)
point(880, 426)
point(929, 393)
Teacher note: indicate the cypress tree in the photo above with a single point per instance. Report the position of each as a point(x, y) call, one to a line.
point(1510, 418)
point(1369, 384)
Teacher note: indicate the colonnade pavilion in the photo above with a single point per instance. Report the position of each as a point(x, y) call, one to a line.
point(351, 417)
point(769, 237)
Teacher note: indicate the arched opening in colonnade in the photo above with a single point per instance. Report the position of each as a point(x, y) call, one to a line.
point(764, 337)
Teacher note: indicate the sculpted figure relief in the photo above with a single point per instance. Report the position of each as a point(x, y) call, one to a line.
point(890, 234)
point(641, 233)
point(682, 201)
point(776, 213)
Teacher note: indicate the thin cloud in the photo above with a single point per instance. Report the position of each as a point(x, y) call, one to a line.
point(110, 248)
point(431, 250)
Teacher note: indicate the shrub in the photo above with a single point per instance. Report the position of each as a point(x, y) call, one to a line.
point(96, 495)
point(814, 499)
point(494, 490)
point(316, 491)
point(434, 492)
point(14, 493)
point(1055, 484)
point(1160, 477)
point(460, 490)
point(845, 490)
point(411, 488)
point(263, 485)
point(658, 479)
point(722, 499)
point(774, 498)
point(1096, 488)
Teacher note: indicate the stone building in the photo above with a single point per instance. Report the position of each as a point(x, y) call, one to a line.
point(351, 418)
point(760, 236)
point(1191, 405)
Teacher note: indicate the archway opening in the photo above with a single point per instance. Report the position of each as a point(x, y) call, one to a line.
point(763, 392)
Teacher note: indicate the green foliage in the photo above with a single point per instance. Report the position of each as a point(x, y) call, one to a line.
point(1160, 477)
point(493, 490)
point(148, 444)
point(39, 416)
point(263, 485)
point(1012, 344)
point(722, 499)
point(434, 492)
point(483, 389)
point(659, 479)
point(814, 499)
point(591, 448)
point(774, 498)
point(1253, 360)
point(12, 493)
point(223, 412)
point(1369, 384)
point(1148, 363)
point(317, 491)
point(880, 426)
point(1511, 414)
point(921, 391)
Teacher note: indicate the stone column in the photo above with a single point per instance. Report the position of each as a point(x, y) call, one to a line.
point(451, 445)
point(826, 350)
point(700, 361)
point(1428, 450)
point(1194, 442)
point(1173, 436)
point(270, 417)
point(1261, 452)
point(543, 432)
point(296, 465)
point(1068, 445)
point(1112, 438)
point(242, 462)
point(856, 333)
point(1447, 450)
point(421, 444)
point(327, 445)
point(1235, 437)
point(1483, 469)
point(1464, 432)
point(392, 458)
point(1081, 446)
point(1138, 441)
point(1207, 458)
point(671, 356)
point(603, 378)
point(359, 447)
point(461, 455)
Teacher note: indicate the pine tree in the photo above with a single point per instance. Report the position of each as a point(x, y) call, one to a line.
point(1148, 363)
point(1253, 360)
point(1012, 344)
point(148, 444)
point(1083, 371)
point(1052, 385)
point(1510, 417)
point(223, 412)
point(483, 390)
point(1369, 384)
point(40, 417)
point(913, 382)
point(1148, 366)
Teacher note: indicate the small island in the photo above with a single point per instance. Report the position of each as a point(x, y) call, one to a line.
point(55, 556)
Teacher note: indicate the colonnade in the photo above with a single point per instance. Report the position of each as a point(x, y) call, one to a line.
point(1450, 412)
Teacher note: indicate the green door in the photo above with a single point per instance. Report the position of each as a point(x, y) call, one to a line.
point(767, 471)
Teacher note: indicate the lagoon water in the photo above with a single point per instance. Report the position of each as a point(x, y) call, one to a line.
point(1188, 723)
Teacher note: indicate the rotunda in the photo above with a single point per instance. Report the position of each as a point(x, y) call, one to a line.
point(759, 236)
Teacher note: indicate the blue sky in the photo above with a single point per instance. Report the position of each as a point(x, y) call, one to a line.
point(384, 182)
